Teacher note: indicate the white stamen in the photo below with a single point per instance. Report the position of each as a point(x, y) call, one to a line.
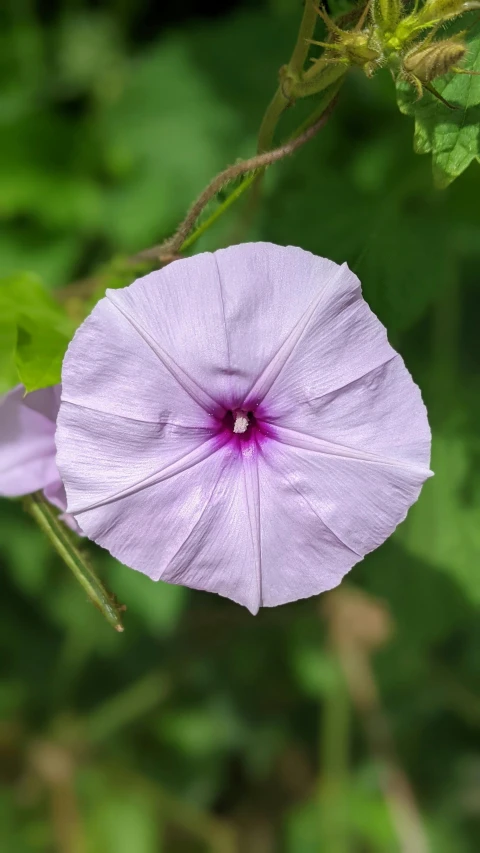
point(241, 421)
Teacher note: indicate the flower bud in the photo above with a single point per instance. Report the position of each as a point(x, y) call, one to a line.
point(357, 48)
point(427, 63)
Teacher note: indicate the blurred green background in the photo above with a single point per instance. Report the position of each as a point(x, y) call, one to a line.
point(342, 725)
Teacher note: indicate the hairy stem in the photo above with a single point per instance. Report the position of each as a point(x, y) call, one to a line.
point(146, 260)
point(255, 179)
point(183, 239)
point(179, 241)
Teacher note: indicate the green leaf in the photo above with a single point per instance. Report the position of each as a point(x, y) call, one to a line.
point(52, 258)
point(39, 354)
point(8, 368)
point(34, 333)
point(452, 136)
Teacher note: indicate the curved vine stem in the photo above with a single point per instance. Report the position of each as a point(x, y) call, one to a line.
point(185, 237)
point(180, 240)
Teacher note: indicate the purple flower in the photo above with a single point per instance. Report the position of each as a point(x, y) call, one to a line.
point(27, 446)
point(238, 422)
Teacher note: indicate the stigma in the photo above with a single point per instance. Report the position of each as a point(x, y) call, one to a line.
point(241, 421)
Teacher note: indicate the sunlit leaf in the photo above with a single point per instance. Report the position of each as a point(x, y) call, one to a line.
point(8, 341)
point(37, 328)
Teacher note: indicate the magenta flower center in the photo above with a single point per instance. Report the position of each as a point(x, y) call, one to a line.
point(240, 422)
point(244, 427)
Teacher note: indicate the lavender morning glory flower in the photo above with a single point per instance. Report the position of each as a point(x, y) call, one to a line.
point(238, 422)
point(27, 446)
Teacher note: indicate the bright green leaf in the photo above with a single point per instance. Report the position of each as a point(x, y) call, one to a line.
point(452, 136)
point(8, 340)
point(39, 354)
point(35, 333)
point(52, 258)
point(23, 292)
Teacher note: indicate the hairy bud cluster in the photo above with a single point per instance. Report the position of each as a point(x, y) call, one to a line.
point(384, 35)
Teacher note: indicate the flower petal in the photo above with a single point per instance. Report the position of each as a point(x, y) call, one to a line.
point(55, 494)
point(113, 455)
point(121, 375)
point(221, 316)
point(27, 446)
point(301, 554)
point(379, 416)
point(267, 290)
point(192, 528)
point(341, 342)
point(361, 501)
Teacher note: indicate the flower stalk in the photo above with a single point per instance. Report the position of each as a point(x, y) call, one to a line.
point(63, 542)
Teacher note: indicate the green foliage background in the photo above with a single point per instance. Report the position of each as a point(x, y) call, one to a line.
point(202, 723)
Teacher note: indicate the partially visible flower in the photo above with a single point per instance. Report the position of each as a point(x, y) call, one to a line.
point(238, 422)
point(27, 446)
